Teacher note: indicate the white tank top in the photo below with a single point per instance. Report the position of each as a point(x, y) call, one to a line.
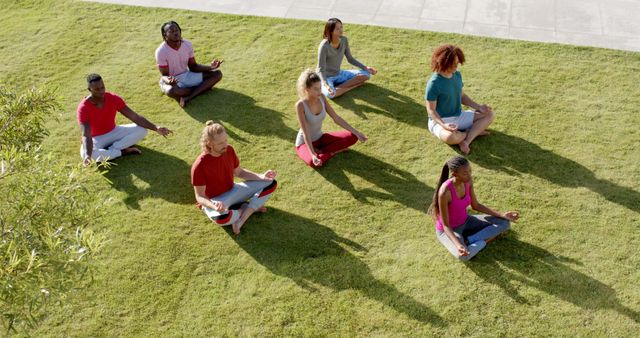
point(314, 123)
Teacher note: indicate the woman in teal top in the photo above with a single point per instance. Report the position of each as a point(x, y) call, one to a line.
point(444, 99)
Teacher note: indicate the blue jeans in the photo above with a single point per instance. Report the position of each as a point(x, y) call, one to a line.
point(342, 77)
point(476, 230)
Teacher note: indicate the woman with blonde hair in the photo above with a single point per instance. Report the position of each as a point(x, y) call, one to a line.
point(313, 146)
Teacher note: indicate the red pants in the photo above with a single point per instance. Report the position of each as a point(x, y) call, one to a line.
point(327, 146)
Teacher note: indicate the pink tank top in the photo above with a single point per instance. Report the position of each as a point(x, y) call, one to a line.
point(457, 207)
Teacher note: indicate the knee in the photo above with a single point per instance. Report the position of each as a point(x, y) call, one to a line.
point(217, 75)
point(269, 189)
point(353, 139)
point(454, 137)
point(490, 116)
point(143, 131)
point(177, 92)
point(504, 225)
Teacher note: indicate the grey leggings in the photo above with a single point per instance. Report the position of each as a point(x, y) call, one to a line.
point(255, 192)
point(476, 230)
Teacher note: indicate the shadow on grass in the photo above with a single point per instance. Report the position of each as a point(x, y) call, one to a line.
point(312, 254)
point(165, 176)
point(239, 110)
point(514, 155)
point(384, 102)
point(400, 186)
point(513, 260)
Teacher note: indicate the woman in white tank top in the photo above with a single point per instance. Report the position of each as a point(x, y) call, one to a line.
point(312, 145)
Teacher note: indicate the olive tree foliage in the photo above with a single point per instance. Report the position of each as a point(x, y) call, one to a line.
point(46, 212)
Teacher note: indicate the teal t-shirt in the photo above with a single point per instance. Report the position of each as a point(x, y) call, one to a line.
point(446, 92)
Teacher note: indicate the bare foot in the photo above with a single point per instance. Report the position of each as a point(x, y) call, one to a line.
point(131, 151)
point(464, 147)
point(183, 102)
point(244, 215)
point(484, 133)
point(262, 209)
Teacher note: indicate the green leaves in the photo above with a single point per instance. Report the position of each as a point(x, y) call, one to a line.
point(45, 240)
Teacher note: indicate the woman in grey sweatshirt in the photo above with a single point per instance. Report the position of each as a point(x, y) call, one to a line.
point(331, 51)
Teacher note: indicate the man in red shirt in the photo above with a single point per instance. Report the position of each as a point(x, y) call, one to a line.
point(102, 140)
point(182, 77)
point(222, 200)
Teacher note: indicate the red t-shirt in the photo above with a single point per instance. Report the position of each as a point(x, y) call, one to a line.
point(102, 120)
point(216, 173)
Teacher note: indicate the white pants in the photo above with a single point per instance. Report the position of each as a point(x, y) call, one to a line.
point(108, 146)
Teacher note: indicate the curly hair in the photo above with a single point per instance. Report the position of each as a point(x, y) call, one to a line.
point(444, 57)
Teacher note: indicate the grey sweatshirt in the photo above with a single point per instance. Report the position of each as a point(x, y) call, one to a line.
point(329, 58)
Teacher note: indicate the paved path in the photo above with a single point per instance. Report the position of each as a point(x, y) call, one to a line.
point(601, 23)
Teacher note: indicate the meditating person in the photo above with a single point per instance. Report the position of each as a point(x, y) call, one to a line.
point(331, 51)
point(444, 97)
point(462, 234)
point(221, 199)
point(102, 139)
point(313, 146)
point(182, 77)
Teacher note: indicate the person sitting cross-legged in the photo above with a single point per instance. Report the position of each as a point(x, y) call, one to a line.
point(444, 97)
point(224, 201)
point(182, 77)
point(462, 234)
point(102, 139)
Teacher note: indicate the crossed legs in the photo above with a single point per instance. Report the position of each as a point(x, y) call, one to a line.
point(463, 139)
point(242, 201)
point(184, 95)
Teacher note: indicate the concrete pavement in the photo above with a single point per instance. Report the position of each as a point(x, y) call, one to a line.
point(600, 23)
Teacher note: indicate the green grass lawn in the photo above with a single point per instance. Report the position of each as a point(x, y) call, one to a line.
point(347, 250)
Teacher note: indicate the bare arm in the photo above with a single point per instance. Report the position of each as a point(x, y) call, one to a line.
point(248, 175)
point(87, 140)
point(202, 199)
point(302, 120)
point(444, 197)
point(143, 122)
point(341, 122)
point(198, 68)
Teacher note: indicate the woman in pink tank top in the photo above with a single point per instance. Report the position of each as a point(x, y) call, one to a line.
point(462, 234)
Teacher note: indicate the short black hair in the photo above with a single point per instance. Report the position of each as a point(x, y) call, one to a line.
point(169, 23)
point(93, 77)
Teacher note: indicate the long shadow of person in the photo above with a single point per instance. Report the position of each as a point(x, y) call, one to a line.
point(513, 260)
point(167, 177)
point(312, 255)
point(380, 100)
point(400, 186)
point(514, 155)
point(240, 111)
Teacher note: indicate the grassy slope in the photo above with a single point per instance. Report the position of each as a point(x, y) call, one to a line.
point(347, 249)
